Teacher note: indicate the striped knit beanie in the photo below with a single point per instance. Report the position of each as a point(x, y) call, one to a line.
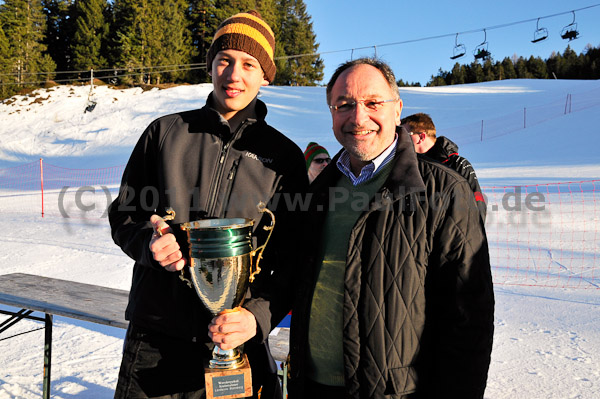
point(246, 32)
point(312, 151)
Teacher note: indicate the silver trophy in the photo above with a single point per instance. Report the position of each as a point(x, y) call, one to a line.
point(222, 264)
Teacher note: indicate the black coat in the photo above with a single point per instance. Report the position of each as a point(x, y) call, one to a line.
point(418, 296)
point(445, 151)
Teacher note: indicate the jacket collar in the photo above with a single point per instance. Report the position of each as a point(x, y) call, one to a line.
point(218, 123)
point(405, 177)
point(442, 148)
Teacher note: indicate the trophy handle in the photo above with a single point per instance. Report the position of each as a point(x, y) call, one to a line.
point(169, 216)
point(258, 252)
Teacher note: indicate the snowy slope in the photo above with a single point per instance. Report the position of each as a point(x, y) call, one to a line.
point(547, 343)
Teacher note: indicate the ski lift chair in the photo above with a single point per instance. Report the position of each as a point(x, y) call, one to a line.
point(459, 49)
point(540, 33)
point(481, 51)
point(91, 101)
point(91, 104)
point(570, 31)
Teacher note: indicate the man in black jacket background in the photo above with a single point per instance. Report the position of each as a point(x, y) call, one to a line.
point(219, 161)
point(394, 298)
point(421, 128)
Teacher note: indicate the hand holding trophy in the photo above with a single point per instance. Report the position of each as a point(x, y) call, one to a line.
point(222, 264)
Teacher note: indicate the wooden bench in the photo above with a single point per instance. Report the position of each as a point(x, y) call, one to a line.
point(80, 301)
point(52, 296)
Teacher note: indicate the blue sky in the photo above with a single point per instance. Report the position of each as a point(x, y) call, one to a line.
point(347, 24)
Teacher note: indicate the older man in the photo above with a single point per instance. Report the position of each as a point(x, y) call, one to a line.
point(395, 299)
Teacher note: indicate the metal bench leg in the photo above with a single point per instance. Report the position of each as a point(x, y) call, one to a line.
point(285, 380)
point(47, 356)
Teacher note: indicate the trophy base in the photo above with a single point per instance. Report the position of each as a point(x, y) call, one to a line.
point(226, 359)
point(226, 384)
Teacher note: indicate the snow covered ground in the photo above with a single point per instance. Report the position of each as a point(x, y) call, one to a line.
point(547, 341)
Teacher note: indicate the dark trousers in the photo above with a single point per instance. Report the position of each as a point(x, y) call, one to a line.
point(314, 390)
point(160, 367)
point(156, 366)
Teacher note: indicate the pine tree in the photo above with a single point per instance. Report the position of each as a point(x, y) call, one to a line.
point(202, 25)
point(295, 40)
point(521, 69)
point(475, 72)
point(6, 79)
point(591, 62)
point(226, 8)
point(537, 68)
point(488, 70)
point(498, 70)
point(269, 13)
point(509, 69)
point(90, 32)
point(149, 36)
point(458, 75)
point(59, 31)
point(174, 47)
point(553, 64)
point(441, 79)
point(23, 23)
point(124, 40)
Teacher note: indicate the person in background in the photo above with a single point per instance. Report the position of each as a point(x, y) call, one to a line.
point(422, 131)
point(394, 298)
point(215, 162)
point(317, 158)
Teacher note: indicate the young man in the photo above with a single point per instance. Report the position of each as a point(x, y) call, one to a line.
point(395, 299)
point(422, 131)
point(317, 158)
point(215, 162)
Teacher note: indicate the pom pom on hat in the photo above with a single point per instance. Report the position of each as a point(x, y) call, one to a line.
point(311, 151)
point(246, 32)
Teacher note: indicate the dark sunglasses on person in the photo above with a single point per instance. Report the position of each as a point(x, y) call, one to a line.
point(321, 160)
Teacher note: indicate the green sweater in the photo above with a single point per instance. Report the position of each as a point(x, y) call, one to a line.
point(325, 330)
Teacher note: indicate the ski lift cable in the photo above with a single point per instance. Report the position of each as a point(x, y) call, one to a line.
point(97, 77)
point(201, 64)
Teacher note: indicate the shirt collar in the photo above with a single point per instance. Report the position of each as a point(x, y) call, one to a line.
point(370, 169)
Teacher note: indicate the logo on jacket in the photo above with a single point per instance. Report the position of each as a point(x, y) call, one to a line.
point(258, 158)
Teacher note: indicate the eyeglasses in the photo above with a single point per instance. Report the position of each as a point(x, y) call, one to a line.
point(321, 160)
point(416, 133)
point(370, 105)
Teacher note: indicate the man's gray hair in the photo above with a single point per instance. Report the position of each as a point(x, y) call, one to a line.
point(384, 68)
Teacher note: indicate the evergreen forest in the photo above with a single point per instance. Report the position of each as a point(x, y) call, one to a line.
point(567, 65)
point(137, 42)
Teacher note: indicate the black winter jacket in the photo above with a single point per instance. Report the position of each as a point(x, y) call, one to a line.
point(445, 151)
point(418, 295)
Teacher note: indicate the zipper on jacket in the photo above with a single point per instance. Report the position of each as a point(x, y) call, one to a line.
point(230, 179)
point(212, 202)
